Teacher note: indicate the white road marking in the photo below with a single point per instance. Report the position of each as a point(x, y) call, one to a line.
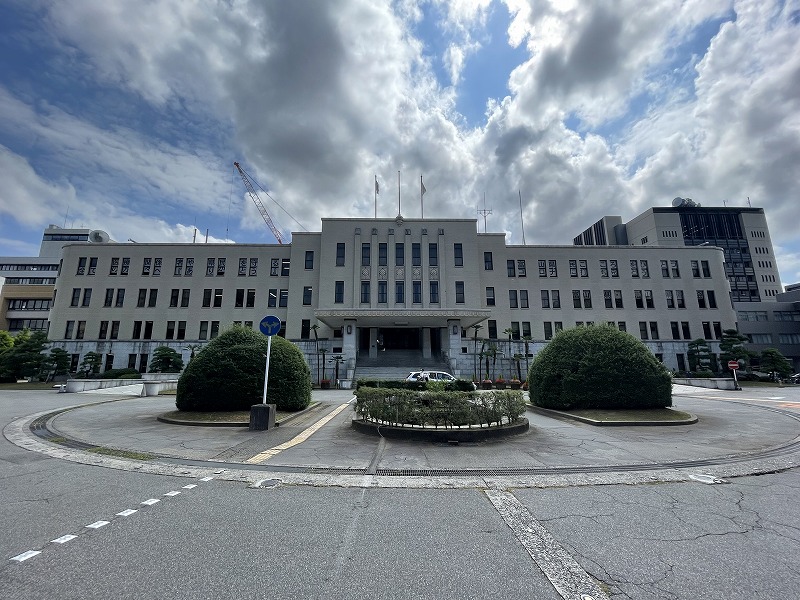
point(151, 501)
point(567, 576)
point(172, 493)
point(26, 555)
point(63, 539)
point(97, 524)
point(127, 512)
point(190, 486)
point(206, 479)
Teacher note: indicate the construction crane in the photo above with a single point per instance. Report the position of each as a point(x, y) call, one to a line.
point(252, 191)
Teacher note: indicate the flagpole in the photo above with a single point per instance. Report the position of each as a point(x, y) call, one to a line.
point(376, 196)
point(421, 194)
point(398, 193)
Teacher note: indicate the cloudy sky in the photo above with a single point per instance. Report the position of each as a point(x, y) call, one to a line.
point(128, 116)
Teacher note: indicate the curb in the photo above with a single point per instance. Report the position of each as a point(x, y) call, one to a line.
point(284, 421)
point(557, 414)
point(440, 435)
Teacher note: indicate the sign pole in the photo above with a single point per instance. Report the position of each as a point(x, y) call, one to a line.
point(266, 369)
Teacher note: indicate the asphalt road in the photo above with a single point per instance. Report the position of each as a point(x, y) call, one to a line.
point(227, 539)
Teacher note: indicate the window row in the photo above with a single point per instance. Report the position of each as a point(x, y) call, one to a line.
point(184, 267)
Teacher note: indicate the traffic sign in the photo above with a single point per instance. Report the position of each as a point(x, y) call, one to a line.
point(270, 325)
point(733, 364)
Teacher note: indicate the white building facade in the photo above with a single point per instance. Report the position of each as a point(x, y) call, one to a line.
point(362, 288)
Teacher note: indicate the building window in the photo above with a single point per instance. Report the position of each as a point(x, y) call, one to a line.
point(670, 298)
point(307, 295)
point(87, 297)
point(305, 329)
point(643, 330)
point(587, 299)
point(707, 330)
point(635, 272)
point(618, 298)
point(251, 298)
point(365, 252)
point(217, 298)
point(400, 292)
point(521, 270)
point(253, 267)
point(556, 298)
point(712, 299)
point(614, 268)
point(184, 298)
point(511, 268)
point(512, 299)
point(695, 268)
point(220, 267)
point(383, 258)
point(487, 261)
point(542, 268)
point(272, 298)
point(545, 299)
point(92, 265)
point(433, 254)
point(309, 261)
point(214, 330)
point(548, 330)
point(416, 291)
point(607, 299)
point(126, 265)
point(416, 255)
point(383, 292)
point(338, 292)
point(679, 299)
point(174, 294)
point(120, 298)
point(114, 330)
point(583, 268)
point(526, 330)
point(717, 330)
point(492, 329)
point(76, 297)
point(701, 299)
point(210, 266)
point(239, 301)
point(108, 301)
point(434, 288)
point(676, 332)
point(459, 292)
point(489, 296)
point(573, 268)
point(242, 267)
point(552, 268)
point(637, 294)
point(399, 254)
point(206, 298)
point(137, 330)
point(644, 268)
point(458, 255)
point(181, 330)
point(142, 298)
point(523, 299)
point(576, 298)
point(68, 330)
point(687, 334)
point(203, 334)
point(664, 269)
point(114, 269)
point(514, 330)
point(285, 267)
point(648, 299)
point(676, 272)
point(81, 266)
point(603, 268)
point(170, 330)
point(654, 330)
point(340, 254)
point(705, 267)
point(283, 298)
point(365, 292)
point(151, 301)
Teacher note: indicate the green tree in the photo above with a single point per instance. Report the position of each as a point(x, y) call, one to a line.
point(699, 355)
point(166, 360)
point(90, 365)
point(6, 341)
point(56, 363)
point(24, 358)
point(731, 347)
point(774, 363)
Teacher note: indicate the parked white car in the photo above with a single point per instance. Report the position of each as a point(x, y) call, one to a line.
point(429, 376)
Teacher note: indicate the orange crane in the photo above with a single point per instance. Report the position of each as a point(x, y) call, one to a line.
point(252, 191)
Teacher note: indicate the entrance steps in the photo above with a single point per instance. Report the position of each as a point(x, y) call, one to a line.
point(396, 364)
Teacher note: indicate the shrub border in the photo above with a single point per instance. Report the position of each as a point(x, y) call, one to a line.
point(430, 434)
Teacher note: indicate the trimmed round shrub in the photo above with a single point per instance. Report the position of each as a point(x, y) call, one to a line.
point(228, 374)
point(598, 367)
point(121, 374)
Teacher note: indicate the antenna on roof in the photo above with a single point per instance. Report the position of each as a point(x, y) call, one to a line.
point(484, 212)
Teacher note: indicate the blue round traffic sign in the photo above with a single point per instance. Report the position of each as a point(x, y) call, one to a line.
point(270, 325)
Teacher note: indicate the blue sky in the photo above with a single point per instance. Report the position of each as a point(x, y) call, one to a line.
point(127, 117)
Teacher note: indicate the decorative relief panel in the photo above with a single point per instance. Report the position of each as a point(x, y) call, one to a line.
point(433, 273)
point(416, 273)
point(366, 273)
point(383, 273)
point(400, 273)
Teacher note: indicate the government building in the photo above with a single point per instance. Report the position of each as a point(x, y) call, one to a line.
point(378, 291)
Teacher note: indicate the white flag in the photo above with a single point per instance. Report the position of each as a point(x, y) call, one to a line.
point(377, 187)
point(422, 186)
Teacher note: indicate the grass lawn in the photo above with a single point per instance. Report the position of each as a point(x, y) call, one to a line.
point(28, 386)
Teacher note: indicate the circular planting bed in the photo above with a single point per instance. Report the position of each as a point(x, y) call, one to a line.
point(439, 416)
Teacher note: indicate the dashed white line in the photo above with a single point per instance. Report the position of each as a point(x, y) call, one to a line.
point(26, 555)
point(206, 479)
point(127, 512)
point(172, 493)
point(63, 539)
point(97, 524)
point(151, 501)
point(191, 486)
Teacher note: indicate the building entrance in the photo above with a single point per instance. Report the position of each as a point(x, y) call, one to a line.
point(400, 338)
